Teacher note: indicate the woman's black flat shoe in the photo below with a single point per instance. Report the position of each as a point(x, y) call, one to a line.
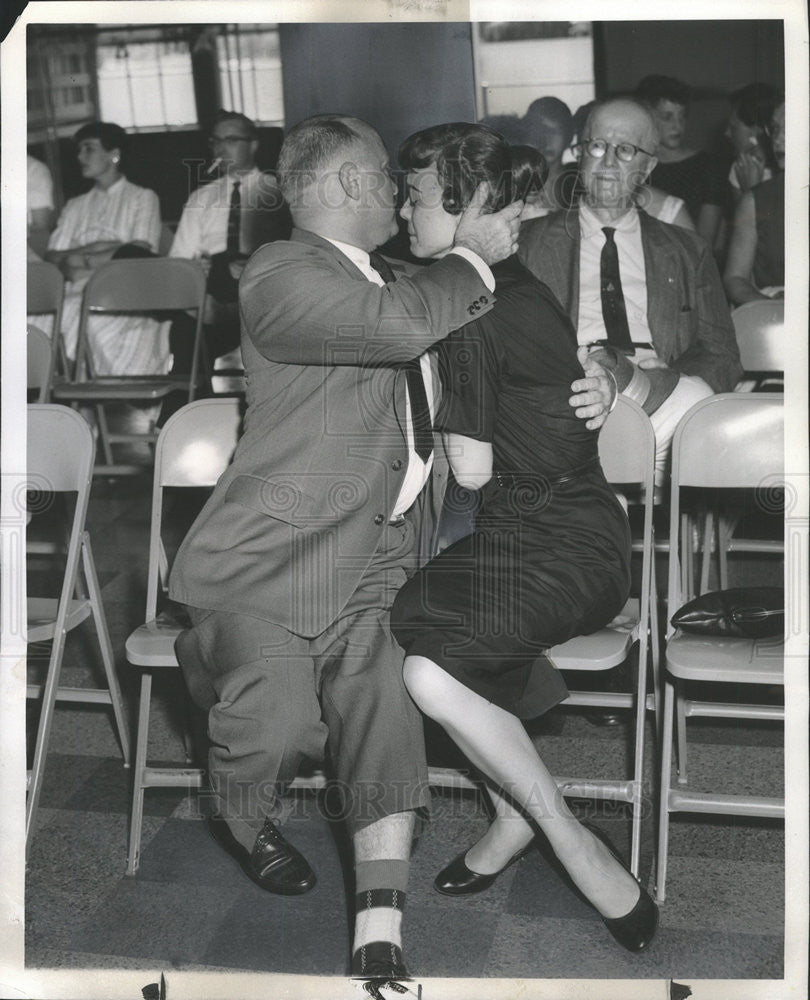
point(635, 929)
point(459, 880)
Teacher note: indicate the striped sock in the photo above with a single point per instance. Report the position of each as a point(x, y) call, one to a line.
point(379, 902)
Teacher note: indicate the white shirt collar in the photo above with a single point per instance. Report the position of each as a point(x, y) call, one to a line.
point(112, 189)
point(357, 256)
point(591, 226)
point(230, 178)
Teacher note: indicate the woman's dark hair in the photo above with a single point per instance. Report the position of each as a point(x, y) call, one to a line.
point(551, 110)
point(755, 104)
point(464, 155)
point(655, 88)
point(509, 127)
point(529, 171)
point(110, 136)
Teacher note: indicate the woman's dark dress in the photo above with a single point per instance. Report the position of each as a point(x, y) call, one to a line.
point(696, 180)
point(769, 259)
point(548, 560)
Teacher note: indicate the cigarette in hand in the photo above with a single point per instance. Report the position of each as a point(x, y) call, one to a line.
point(214, 165)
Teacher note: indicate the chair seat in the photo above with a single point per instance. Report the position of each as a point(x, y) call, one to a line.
point(737, 661)
point(41, 614)
point(152, 644)
point(124, 387)
point(603, 649)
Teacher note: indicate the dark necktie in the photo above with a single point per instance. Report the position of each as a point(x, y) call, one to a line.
point(234, 221)
point(614, 311)
point(420, 411)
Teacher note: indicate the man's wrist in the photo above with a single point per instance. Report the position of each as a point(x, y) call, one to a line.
point(478, 262)
point(615, 399)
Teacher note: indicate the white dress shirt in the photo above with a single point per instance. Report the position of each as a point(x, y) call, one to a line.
point(417, 471)
point(591, 326)
point(203, 227)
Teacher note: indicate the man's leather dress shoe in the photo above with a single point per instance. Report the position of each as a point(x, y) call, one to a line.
point(380, 965)
point(273, 864)
point(635, 929)
point(459, 880)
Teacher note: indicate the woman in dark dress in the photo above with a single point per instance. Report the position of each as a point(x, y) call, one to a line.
point(549, 556)
point(689, 174)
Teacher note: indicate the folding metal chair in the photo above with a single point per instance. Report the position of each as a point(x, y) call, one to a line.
point(60, 460)
point(138, 287)
point(45, 294)
point(193, 450)
point(40, 364)
point(760, 331)
point(627, 452)
point(730, 441)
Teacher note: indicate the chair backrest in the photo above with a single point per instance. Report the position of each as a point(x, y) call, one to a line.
point(193, 449)
point(626, 442)
point(733, 440)
point(60, 455)
point(45, 295)
point(760, 330)
point(40, 362)
point(61, 449)
point(145, 284)
point(730, 440)
point(46, 288)
point(139, 286)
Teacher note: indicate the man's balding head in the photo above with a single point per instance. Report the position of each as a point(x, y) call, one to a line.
point(634, 116)
point(610, 182)
point(332, 170)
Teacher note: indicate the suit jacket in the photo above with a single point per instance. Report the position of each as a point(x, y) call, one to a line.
point(688, 316)
point(296, 518)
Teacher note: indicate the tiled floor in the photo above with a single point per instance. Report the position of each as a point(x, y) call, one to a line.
point(189, 907)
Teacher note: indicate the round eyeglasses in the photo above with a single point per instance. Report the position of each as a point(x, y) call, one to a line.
point(597, 149)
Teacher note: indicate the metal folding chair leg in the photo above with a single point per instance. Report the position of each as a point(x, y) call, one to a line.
point(107, 656)
point(138, 775)
point(680, 732)
point(664, 787)
point(44, 730)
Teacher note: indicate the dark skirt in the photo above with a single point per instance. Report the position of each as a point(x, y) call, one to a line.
point(536, 571)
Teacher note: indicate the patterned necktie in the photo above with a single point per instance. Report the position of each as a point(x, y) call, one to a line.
point(614, 311)
point(234, 220)
point(420, 411)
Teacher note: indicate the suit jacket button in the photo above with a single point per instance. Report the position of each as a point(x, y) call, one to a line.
point(396, 465)
point(379, 518)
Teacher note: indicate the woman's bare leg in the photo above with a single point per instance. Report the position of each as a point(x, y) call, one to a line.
point(508, 833)
point(496, 742)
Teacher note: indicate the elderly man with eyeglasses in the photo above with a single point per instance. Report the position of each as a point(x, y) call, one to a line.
point(643, 293)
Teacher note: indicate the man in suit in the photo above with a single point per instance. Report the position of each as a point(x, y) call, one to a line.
point(647, 292)
point(223, 222)
point(292, 566)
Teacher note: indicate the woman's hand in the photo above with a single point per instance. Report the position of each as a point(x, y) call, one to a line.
point(595, 393)
point(748, 169)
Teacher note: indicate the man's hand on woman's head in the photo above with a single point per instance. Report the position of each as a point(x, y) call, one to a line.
point(493, 236)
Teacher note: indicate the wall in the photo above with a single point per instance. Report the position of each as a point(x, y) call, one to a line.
point(398, 77)
point(713, 57)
